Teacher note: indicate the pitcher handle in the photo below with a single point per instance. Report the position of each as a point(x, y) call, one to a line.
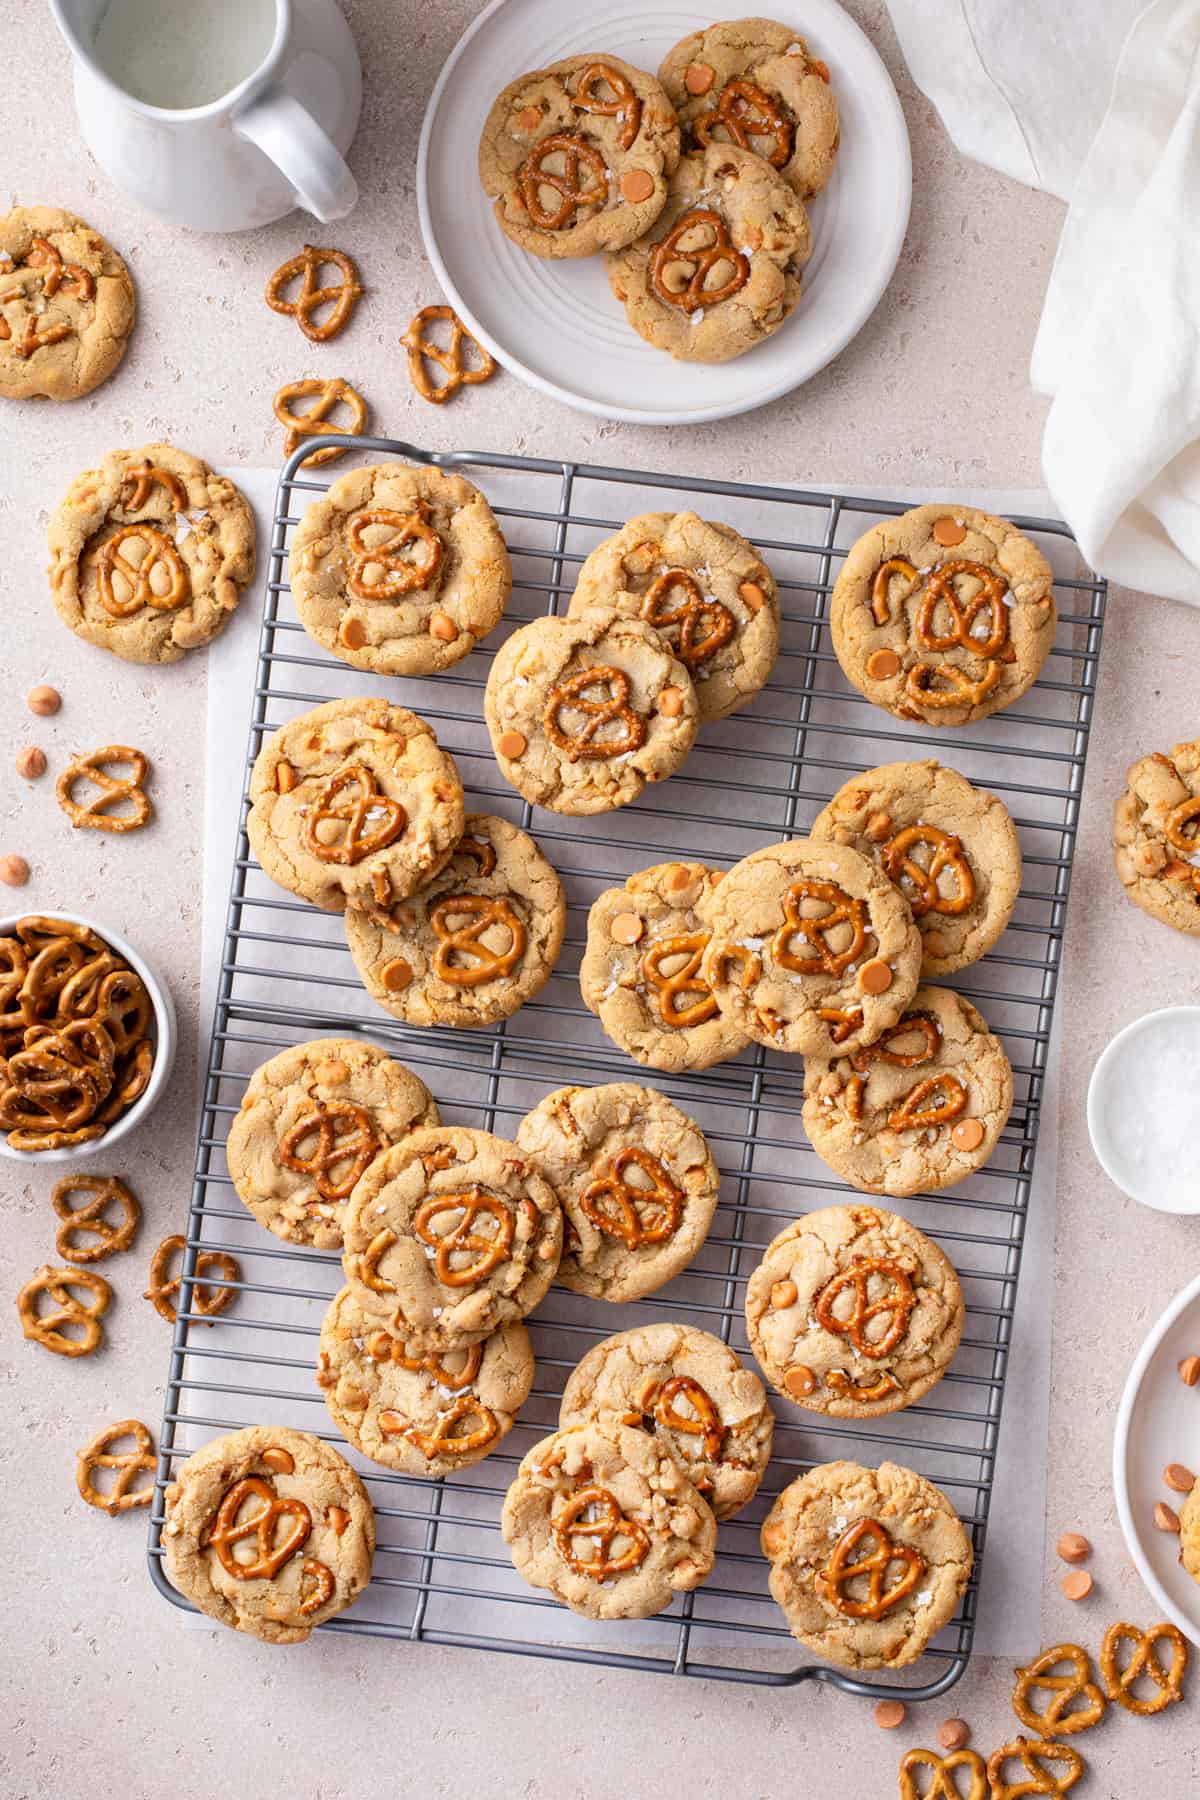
point(295, 143)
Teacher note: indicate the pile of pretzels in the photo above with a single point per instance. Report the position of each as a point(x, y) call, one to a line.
point(75, 1044)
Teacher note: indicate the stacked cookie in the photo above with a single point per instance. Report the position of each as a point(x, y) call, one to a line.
point(692, 186)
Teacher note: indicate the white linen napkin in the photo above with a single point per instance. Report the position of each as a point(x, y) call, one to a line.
point(1098, 101)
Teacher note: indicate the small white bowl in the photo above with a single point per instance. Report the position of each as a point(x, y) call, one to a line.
point(164, 1048)
point(1112, 1074)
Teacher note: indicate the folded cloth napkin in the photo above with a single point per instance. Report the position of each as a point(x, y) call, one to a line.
point(1098, 101)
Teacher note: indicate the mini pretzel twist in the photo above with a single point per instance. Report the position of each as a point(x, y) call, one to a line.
point(895, 1304)
point(625, 106)
point(586, 744)
point(341, 297)
point(138, 577)
point(225, 1532)
point(451, 361)
point(322, 1590)
point(466, 940)
point(315, 422)
point(863, 1393)
point(582, 181)
point(944, 1782)
point(677, 1012)
point(357, 1145)
point(1061, 1717)
point(843, 910)
point(611, 1203)
point(95, 815)
point(605, 1525)
point(128, 1465)
point(962, 691)
point(90, 1218)
point(482, 852)
point(880, 1051)
point(146, 476)
point(354, 812)
point(1033, 1758)
point(49, 1328)
point(206, 1301)
point(72, 278)
point(925, 894)
point(702, 259)
point(940, 590)
point(401, 575)
point(881, 586)
point(747, 111)
point(444, 1440)
point(920, 1109)
point(705, 626)
point(486, 1251)
point(880, 1598)
point(432, 1364)
point(1120, 1683)
point(703, 1422)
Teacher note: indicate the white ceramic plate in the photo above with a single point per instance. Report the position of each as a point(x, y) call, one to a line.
point(1158, 1422)
point(557, 325)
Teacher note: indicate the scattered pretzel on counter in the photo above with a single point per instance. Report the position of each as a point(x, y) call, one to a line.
point(315, 421)
point(451, 360)
point(50, 1329)
point(207, 1300)
point(341, 297)
point(96, 814)
point(91, 1217)
point(127, 1465)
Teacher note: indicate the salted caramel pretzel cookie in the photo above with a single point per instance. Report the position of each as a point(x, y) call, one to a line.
point(952, 850)
point(1189, 1532)
point(450, 1235)
point(576, 157)
point(754, 83)
point(312, 1121)
point(811, 947)
point(67, 306)
point(704, 589)
point(1156, 836)
point(691, 1392)
point(473, 944)
point(637, 1182)
point(423, 1413)
point(400, 571)
point(584, 712)
point(149, 553)
point(944, 614)
point(604, 1517)
point(920, 1108)
point(853, 1312)
point(868, 1565)
point(354, 804)
point(720, 270)
point(269, 1531)
point(640, 972)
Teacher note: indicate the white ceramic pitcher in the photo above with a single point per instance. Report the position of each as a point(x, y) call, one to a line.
point(274, 142)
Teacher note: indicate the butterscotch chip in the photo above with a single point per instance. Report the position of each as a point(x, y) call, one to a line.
point(1077, 1585)
point(882, 663)
point(333, 1072)
point(442, 627)
point(337, 1518)
point(949, 532)
point(1165, 1517)
point(1073, 1547)
point(968, 1134)
point(878, 826)
point(44, 700)
point(681, 876)
point(529, 118)
point(890, 1713)
point(698, 78)
point(753, 595)
point(14, 871)
point(637, 185)
point(31, 762)
point(783, 1293)
point(952, 1734)
point(512, 744)
point(353, 633)
point(396, 974)
point(279, 1459)
point(1189, 1371)
point(670, 702)
point(799, 1381)
point(1179, 1478)
point(285, 778)
point(875, 977)
point(626, 928)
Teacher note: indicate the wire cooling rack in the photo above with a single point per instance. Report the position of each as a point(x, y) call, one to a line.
point(442, 1573)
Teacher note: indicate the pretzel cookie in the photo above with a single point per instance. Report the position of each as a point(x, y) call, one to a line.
point(637, 1183)
point(640, 972)
point(400, 571)
point(450, 1235)
point(575, 157)
point(811, 947)
point(703, 588)
point(473, 944)
point(755, 83)
point(425, 1414)
point(67, 306)
point(720, 270)
point(604, 1517)
point(867, 1564)
point(944, 614)
point(853, 1312)
point(353, 804)
point(1189, 1532)
point(1156, 836)
point(149, 553)
point(951, 849)
point(584, 712)
point(920, 1108)
point(270, 1531)
point(692, 1393)
point(312, 1121)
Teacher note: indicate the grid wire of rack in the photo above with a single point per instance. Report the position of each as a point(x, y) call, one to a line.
point(442, 1574)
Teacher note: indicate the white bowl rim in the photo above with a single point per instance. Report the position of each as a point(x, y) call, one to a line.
point(1097, 1130)
point(164, 1056)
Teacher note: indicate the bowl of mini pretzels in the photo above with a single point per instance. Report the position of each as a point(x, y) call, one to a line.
point(87, 1037)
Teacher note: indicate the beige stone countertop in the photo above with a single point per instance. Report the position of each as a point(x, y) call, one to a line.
point(105, 1689)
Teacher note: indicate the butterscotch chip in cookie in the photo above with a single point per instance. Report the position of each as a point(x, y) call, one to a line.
point(919, 1109)
point(150, 553)
point(693, 1393)
point(874, 1318)
point(1156, 836)
point(943, 631)
point(311, 1122)
point(868, 1565)
point(67, 306)
point(269, 1531)
point(794, 926)
point(368, 808)
point(636, 1180)
point(704, 588)
point(604, 1518)
point(473, 944)
point(425, 1414)
point(400, 570)
point(951, 849)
